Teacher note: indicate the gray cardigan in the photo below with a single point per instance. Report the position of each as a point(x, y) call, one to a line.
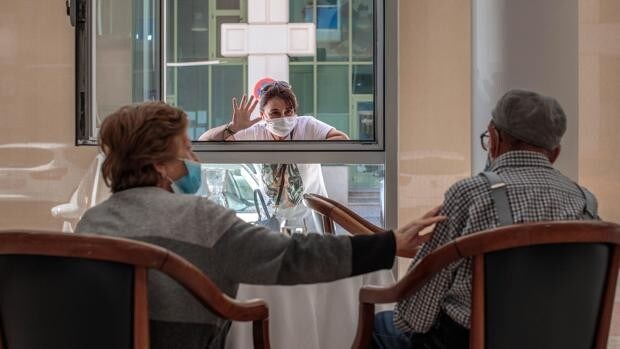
point(227, 249)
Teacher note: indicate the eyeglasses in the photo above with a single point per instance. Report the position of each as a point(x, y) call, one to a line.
point(484, 140)
point(275, 84)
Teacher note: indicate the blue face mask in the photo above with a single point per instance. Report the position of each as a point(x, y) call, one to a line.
point(190, 183)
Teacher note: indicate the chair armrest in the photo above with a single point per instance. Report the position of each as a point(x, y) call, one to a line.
point(340, 214)
point(413, 281)
point(220, 304)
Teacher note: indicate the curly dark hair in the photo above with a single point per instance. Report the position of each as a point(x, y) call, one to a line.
point(134, 138)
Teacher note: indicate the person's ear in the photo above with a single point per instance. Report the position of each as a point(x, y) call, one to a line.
point(555, 153)
point(493, 142)
point(161, 168)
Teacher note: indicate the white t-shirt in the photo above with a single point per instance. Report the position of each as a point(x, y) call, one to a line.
point(307, 128)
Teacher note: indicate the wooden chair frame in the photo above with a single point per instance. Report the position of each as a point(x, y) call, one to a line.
point(142, 256)
point(332, 211)
point(478, 244)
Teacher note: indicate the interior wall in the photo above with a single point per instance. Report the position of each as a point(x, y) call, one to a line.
point(39, 165)
point(434, 102)
point(599, 89)
point(599, 122)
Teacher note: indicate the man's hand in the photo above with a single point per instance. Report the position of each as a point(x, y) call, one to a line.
point(408, 237)
point(242, 113)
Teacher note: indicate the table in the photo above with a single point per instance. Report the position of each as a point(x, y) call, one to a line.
point(317, 316)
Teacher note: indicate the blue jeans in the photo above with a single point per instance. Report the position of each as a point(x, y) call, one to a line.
point(386, 336)
point(445, 334)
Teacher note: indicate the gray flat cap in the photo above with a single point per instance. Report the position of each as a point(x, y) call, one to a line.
point(530, 117)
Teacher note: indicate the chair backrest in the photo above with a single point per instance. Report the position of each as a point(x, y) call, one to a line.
point(523, 304)
point(66, 302)
point(537, 285)
point(61, 290)
point(334, 212)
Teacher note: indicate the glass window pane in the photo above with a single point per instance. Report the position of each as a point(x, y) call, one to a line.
point(363, 79)
point(126, 54)
point(333, 91)
point(362, 29)
point(188, 89)
point(302, 81)
point(359, 187)
point(332, 29)
point(299, 14)
point(227, 82)
point(228, 4)
point(328, 86)
point(188, 35)
point(219, 21)
point(365, 121)
point(146, 67)
point(333, 96)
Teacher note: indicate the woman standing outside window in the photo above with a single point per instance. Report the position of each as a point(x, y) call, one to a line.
point(279, 121)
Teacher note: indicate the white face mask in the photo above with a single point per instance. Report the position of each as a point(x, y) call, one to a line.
point(281, 126)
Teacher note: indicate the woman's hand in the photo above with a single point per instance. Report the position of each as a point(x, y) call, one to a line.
point(408, 237)
point(242, 113)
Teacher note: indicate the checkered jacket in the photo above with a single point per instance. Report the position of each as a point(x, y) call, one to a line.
point(536, 192)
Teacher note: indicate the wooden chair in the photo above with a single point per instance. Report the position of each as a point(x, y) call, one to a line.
point(61, 290)
point(331, 211)
point(539, 285)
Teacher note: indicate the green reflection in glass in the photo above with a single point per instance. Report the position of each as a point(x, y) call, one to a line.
point(333, 89)
point(362, 82)
point(227, 83)
point(362, 30)
point(302, 80)
point(228, 4)
point(332, 29)
point(333, 96)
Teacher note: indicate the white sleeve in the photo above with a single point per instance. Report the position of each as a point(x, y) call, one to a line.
point(317, 129)
point(252, 133)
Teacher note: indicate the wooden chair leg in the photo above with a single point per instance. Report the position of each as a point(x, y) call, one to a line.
point(260, 334)
point(141, 309)
point(365, 326)
point(607, 303)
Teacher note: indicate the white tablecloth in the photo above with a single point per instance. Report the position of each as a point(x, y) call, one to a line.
point(319, 316)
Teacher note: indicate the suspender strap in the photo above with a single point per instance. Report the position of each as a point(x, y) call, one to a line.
point(591, 205)
point(500, 198)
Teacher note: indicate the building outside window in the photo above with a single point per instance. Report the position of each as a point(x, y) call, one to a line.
point(171, 50)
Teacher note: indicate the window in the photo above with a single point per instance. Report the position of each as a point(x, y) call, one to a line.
point(171, 50)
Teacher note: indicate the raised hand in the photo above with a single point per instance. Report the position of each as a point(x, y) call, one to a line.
point(408, 237)
point(242, 113)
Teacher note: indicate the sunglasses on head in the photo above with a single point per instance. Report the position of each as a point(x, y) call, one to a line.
point(275, 84)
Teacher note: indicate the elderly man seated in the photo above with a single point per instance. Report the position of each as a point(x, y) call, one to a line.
point(522, 141)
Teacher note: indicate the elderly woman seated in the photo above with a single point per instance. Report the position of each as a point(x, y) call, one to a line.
point(149, 166)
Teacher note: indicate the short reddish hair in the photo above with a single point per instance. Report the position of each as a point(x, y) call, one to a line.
point(134, 138)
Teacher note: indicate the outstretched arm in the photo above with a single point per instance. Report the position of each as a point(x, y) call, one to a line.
point(240, 121)
point(335, 135)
